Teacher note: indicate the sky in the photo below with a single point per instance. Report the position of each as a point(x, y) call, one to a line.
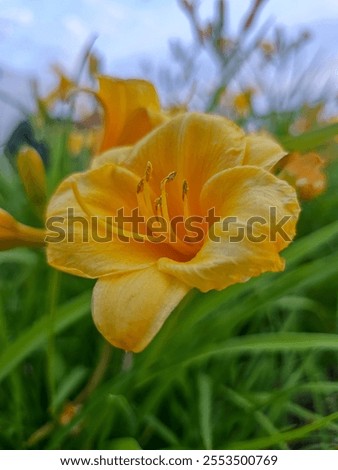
point(35, 33)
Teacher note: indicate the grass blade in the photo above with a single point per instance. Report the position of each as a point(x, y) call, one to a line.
point(37, 335)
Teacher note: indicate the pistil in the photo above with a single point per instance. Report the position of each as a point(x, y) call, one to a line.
point(185, 189)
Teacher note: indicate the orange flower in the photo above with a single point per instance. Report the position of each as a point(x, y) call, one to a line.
point(195, 169)
point(304, 172)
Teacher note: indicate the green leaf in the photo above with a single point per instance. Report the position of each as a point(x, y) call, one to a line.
point(293, 435)
point(68, 385)
point(244, 404)
point(310, 140)
point(37, 335)
point(162, 430)
point(124, 443)
point(311, 243)
point(270, 343)
point(205, 410)
point(255, 344)
point(18, 255)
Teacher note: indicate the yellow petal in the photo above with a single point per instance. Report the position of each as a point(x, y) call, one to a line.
point(138, 124)
point(120, 99)
point(227, 258)
point(225, 262)
point(116, 156)
point(262, 150)
point(130, 309)
point(77, 246)
point(247, 192)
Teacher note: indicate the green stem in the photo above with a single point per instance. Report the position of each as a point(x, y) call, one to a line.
point(16, 403)
point(98, 373)
point(52, 297)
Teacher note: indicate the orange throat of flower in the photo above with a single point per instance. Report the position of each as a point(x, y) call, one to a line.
point(157, 214)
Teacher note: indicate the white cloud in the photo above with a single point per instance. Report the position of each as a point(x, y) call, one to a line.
point(113, 10)
point(23, 16)
point(76, 27)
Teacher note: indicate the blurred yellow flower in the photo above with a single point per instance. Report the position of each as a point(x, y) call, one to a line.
point(268, 48)
point(304, 172)
point(242, 102)
point(200, 180)
point(308, 118)
point(85, 139)
point(14, 234)
point(131, 110)
point(62, 90)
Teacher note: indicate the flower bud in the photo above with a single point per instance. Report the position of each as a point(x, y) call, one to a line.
point(13, 233)
point(33, 176)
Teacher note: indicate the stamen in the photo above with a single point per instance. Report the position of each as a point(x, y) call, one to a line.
point(140, 186)
point(144, 209)
point(168, 178)
point(143, 193)
point(185, 189)
point(149, 207)
point(147, 190)
point(149, 171)
point(164, 202)
point(158, 205)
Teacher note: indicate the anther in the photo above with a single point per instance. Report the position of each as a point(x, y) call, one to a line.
point(168, 178)
point(158, 205)
point(149, 170)
point(185, 189)
point(140, 186)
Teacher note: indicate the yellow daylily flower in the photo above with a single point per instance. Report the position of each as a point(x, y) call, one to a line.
point(14, 234)
point(304, 172)
point(194, 169)
point(131, 110)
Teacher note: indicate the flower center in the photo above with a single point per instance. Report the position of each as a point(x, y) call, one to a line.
point(158, 208)
point(158, 223)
